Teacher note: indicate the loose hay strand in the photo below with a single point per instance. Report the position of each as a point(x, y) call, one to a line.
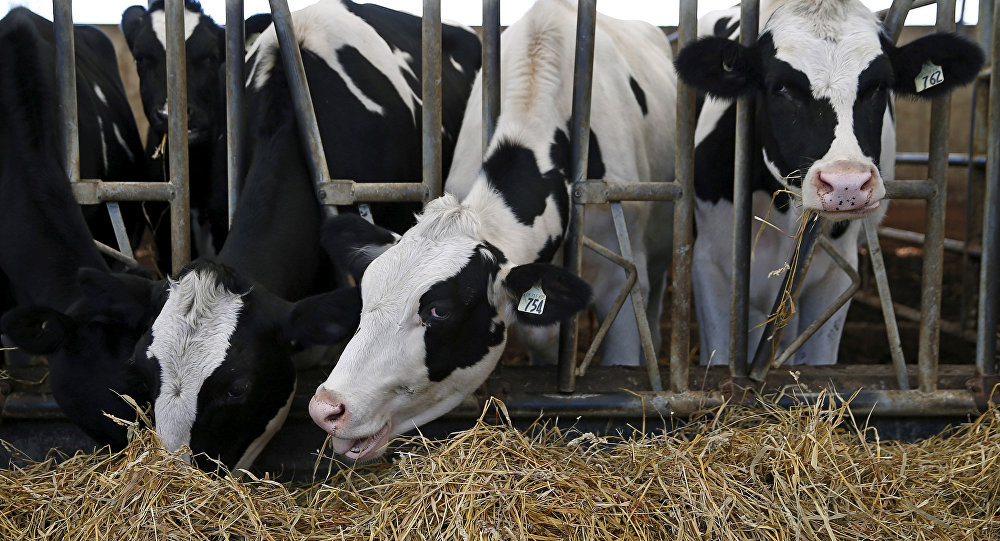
point(808, 472)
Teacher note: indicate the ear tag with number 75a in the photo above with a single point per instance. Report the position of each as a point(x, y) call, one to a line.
point(930, 75)
point(533, 301)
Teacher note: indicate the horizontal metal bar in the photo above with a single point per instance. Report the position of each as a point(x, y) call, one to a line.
point(348, 192)
point(93, 192)
point(954, 158)
point(913, 314)
point(599, 191)
point(909, 189)
point(918, 238)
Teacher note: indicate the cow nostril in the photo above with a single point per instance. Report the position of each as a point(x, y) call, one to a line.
point(823, 187)
point(336, 413)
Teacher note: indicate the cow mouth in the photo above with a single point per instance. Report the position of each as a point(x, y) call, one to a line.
point(363, 448)
point(853, 213)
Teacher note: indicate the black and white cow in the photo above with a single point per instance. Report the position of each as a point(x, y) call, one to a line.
point(205, 49)
point(47, 255)
point(438, 303)
point(823, 76)
point(217, 359)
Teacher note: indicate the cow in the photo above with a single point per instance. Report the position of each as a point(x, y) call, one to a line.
point(47, 255)
point(438, 302)
point(822, 77)
point(205, 50)
point(217, 358)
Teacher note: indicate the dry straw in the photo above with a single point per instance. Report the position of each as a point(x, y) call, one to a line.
point(734, 473)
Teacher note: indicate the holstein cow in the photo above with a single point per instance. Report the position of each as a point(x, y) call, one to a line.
point(217, 360)
point(437, 304)
point(823, 76)
point(205, 49)
point(47, 255)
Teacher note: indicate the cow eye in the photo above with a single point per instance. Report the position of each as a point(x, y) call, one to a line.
point(239, 388)
point(439, 313)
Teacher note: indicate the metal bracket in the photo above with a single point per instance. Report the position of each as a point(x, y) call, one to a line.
point(336, 192)
point(590, 192)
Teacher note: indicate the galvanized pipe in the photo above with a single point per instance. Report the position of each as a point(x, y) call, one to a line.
point(895, 16)
point(885, 296)
point(235, 40)
point(631, 275)
point(62, 20)
point(431, 97)
point(647, 191)
point(989, 290)
point(177, 140)
point(305, 115)
point(909, 189)
point(937, 169)
point(491, 69)
point(99, 192)
point(682, 296)
point(739, 307)
point(913, 237)
point(583, 71)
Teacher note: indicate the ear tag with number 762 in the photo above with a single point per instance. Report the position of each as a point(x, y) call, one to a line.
point(533, 301)
point(930, 75)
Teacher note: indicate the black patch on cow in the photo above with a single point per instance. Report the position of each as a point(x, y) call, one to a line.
point(794, 128)
point(466, 335)
point(839, 228)
point(549, 249)
point(640, 96)
point(724, 27)
point(872, 98)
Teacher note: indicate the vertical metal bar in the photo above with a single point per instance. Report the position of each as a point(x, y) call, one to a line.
point(177, 125)
point(895, 17)
point(681, 296)
point(62, 19)
point(739, 306)
point(431, 96)
point(305, 115)
point(975, 181)
point(937, 169)
point(583, 71)
point(989, 288)
point(986, 28)
point(235, 40)
point(888, 310)
point(491, 69)
point(124, 245)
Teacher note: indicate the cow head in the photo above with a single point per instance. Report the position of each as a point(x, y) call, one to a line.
point(823, 75)
point(436, 306)
point(217, 359)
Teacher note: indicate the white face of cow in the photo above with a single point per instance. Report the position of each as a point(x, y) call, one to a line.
point(436, 308)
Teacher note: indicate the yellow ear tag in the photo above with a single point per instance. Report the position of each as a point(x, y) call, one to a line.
point(930, 75)
point(533, 301)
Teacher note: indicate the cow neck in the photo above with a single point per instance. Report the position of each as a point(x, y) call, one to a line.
point(500, 227)
point(274, 239)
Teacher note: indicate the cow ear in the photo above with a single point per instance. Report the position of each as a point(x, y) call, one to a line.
point(564, 293)
point(718, 66)
point(324, 319)
point(959, 59)
point(131, 20)
point(353, 243)
point(254, 26)
point(38, 330)
point(126, 298)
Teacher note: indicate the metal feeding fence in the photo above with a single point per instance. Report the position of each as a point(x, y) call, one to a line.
point(563, 397)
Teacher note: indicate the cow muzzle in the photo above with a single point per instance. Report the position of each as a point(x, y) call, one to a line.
point(334, 416)
point(846, 189)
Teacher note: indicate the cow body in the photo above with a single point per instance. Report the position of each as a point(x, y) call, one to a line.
point(823, 76)
point(44, 240)
point(437, 304)
point(217, 358)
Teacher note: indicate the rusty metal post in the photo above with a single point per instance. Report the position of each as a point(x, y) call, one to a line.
point(583, 71)
point(681, 296)
point(491, 69)
point(739, 306)
point(431, 97)
point(937, 169)
point(177, 141)
point(989, 289)
point(235, 40)
point(62, 20)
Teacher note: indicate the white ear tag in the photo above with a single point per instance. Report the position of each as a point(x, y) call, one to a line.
point(930, 75)
point(533, 301)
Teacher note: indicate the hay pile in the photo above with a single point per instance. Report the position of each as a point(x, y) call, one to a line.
point(732, 474)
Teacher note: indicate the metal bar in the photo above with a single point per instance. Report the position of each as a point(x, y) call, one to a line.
point(975, 187)
point(177, 141)
point(302, 103)
point(682, 296)
point(895, 16)
point(989, 290)
point(62, 20)
point(630, 278)
point(115, 254)
point(913, 314)
point(791, 283)
point(431, 96)
point(583, 71)
point(913, 237)
point(491, 69)
point(638, 302)
point(739, 306)
point(909, 189)
point(954, 158)
point(235, 40)
point(885, 296)
point(94, 191)
point(937, 169)
point(124, 245)
point(647, 191)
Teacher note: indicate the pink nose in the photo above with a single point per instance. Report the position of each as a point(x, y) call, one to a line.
point(328, 412)
point(845, 187)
